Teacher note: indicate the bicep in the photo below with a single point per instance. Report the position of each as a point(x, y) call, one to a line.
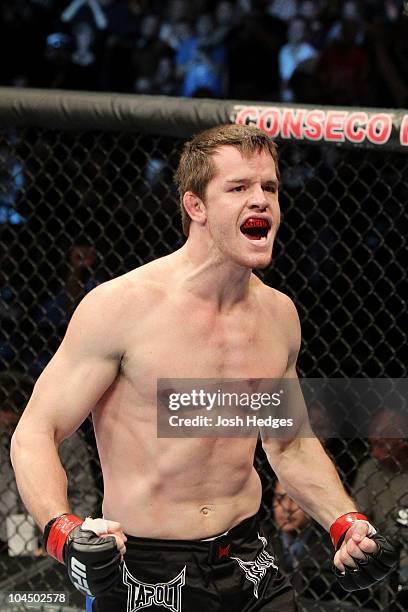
point(293, 405)
point(68, 389)
point(82, 369)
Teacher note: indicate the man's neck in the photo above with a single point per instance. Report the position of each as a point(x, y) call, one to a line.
point(209, 277)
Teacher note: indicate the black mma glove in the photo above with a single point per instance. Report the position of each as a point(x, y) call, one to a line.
point(374, 567)
point(93, 562)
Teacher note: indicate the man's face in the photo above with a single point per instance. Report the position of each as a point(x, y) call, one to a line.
point(391, 452)
point(8, 421)
point(296, 31)
point(149, 26)
point(242, 207)
point(287, 514)
point(388, 443)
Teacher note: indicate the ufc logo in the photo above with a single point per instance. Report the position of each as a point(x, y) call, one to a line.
point(78, 575)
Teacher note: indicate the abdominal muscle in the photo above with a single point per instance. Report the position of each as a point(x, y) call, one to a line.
point(173, 488)
point(151, 514)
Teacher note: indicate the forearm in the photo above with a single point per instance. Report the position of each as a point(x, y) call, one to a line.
point(41, 479)
point(310, 478)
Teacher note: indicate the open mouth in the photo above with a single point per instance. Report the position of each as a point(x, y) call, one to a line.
point(255, 228)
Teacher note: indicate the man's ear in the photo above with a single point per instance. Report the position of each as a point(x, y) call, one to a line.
point(195, 207)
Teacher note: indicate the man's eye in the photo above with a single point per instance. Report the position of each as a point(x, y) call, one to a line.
point(238, 188)
point(270, 188)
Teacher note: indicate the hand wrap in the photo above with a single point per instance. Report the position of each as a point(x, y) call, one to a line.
point(374, 566)
point(93, 562)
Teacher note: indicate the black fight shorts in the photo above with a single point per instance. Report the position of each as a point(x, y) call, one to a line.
point(234, 572)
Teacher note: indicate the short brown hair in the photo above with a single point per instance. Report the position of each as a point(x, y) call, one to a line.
point(196, 166)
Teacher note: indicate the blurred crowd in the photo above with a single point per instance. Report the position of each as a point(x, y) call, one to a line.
point(307, 51)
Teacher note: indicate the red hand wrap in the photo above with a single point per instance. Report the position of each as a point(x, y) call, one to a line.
point(59, 533)
point(343, 523)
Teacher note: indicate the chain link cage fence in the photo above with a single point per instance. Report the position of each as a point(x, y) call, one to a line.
point(86, 194)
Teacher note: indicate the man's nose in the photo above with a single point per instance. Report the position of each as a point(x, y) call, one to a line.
point(257, 199)
point(379, 452)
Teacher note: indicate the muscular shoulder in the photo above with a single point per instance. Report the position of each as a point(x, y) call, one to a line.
point(125, 294)
point(103, 315)
point(283, 312)
point(94, 328)
point(104, 300)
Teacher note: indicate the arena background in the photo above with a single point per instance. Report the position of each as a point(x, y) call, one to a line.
point(86, 194)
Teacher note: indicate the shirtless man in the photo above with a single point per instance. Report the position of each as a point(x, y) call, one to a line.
point(187, 506)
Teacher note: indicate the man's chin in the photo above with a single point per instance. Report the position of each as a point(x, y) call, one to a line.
point(257, 257)
point(263, 264)
point(259, 261)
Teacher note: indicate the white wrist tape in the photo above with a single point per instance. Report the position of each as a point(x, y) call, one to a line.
point(99, 526)
point(371, 530)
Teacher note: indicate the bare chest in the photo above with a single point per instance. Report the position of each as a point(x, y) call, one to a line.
point(243, 345)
